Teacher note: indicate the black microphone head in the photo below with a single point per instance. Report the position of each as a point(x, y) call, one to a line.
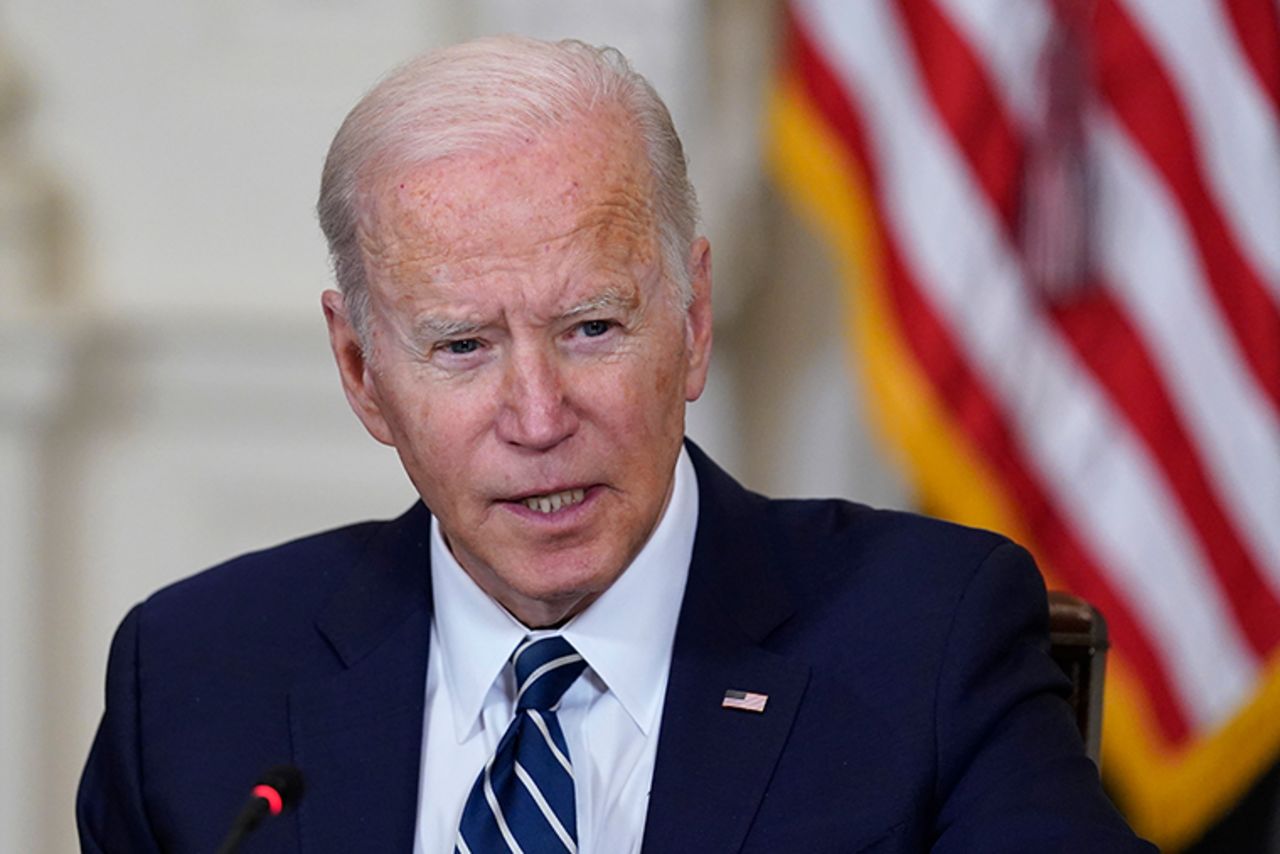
point(286, 780)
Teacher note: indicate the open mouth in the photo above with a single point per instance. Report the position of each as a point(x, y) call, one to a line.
point(554, 501)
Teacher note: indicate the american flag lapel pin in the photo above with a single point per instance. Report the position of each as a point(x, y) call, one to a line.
point(747, 701)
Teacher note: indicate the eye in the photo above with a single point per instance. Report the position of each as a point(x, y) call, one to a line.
point(462, 346)
point(595, 328)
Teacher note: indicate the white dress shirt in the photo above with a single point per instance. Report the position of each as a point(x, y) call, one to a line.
point(610, 715)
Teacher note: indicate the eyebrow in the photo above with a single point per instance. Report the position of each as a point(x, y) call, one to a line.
point(432, 328)
point(613, 298)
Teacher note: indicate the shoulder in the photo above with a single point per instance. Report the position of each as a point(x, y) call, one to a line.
point(889, 598)
point(255, 613)
point(290, 575)
point(896, 572)
point(837, 548)
point(829, 546)
point(836, 526)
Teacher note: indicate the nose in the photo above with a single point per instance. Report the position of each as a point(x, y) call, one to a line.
point(535, 413)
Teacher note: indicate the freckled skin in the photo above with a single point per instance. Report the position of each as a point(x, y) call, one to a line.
point(524, 339)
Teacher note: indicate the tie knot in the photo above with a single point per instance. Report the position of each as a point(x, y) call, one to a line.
point(545, 668)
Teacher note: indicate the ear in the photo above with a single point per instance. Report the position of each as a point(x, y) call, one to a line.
point(698, 319)
point(353, 367)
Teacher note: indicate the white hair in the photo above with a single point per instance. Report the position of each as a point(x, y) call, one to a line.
point(483, 94)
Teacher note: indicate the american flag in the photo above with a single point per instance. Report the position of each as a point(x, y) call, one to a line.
point(1058, 222)
point(747, 701)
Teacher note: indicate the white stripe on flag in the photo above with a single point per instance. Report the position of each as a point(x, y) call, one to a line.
point(955, 247)
point(1225, 106)
point(1144, 247)
point(1145, 250)
point(1008, 37)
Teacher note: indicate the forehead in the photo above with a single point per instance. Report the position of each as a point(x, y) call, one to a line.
point(586, 182)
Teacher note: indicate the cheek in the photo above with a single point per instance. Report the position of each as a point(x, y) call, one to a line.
point(641, 402)
point(437, 429)
point(665, 381)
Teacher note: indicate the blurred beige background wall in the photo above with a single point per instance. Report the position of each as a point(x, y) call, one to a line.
point(166, 394)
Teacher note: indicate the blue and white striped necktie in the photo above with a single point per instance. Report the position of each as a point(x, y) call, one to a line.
point(523, 800)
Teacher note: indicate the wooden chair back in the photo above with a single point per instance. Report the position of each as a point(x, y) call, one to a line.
point(1078, 642)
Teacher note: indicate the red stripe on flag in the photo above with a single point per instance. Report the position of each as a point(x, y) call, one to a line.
point(962, 95)
point(1102, 336)
point(1257, 28)
point(1130, 75)
point(1103, 339)
point(977, 415)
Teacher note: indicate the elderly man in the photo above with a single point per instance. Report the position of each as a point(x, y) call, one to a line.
point(587, 636)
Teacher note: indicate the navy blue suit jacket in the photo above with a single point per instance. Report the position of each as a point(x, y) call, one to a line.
point(912, 702)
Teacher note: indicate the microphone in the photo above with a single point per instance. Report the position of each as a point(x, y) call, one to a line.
point(277, 790)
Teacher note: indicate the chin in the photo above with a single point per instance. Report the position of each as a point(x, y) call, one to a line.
point(565, 587)
point(556, 584)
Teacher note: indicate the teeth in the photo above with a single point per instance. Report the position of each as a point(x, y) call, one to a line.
point(556, 500)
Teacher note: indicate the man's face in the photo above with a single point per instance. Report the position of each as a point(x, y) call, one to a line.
point(528, 358)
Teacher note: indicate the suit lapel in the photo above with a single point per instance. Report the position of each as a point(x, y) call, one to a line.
point(714, 764)
point(357, 734)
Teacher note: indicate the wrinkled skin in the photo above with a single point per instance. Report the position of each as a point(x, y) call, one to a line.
point(524, 340)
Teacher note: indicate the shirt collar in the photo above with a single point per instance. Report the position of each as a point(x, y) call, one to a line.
point(625, 636)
